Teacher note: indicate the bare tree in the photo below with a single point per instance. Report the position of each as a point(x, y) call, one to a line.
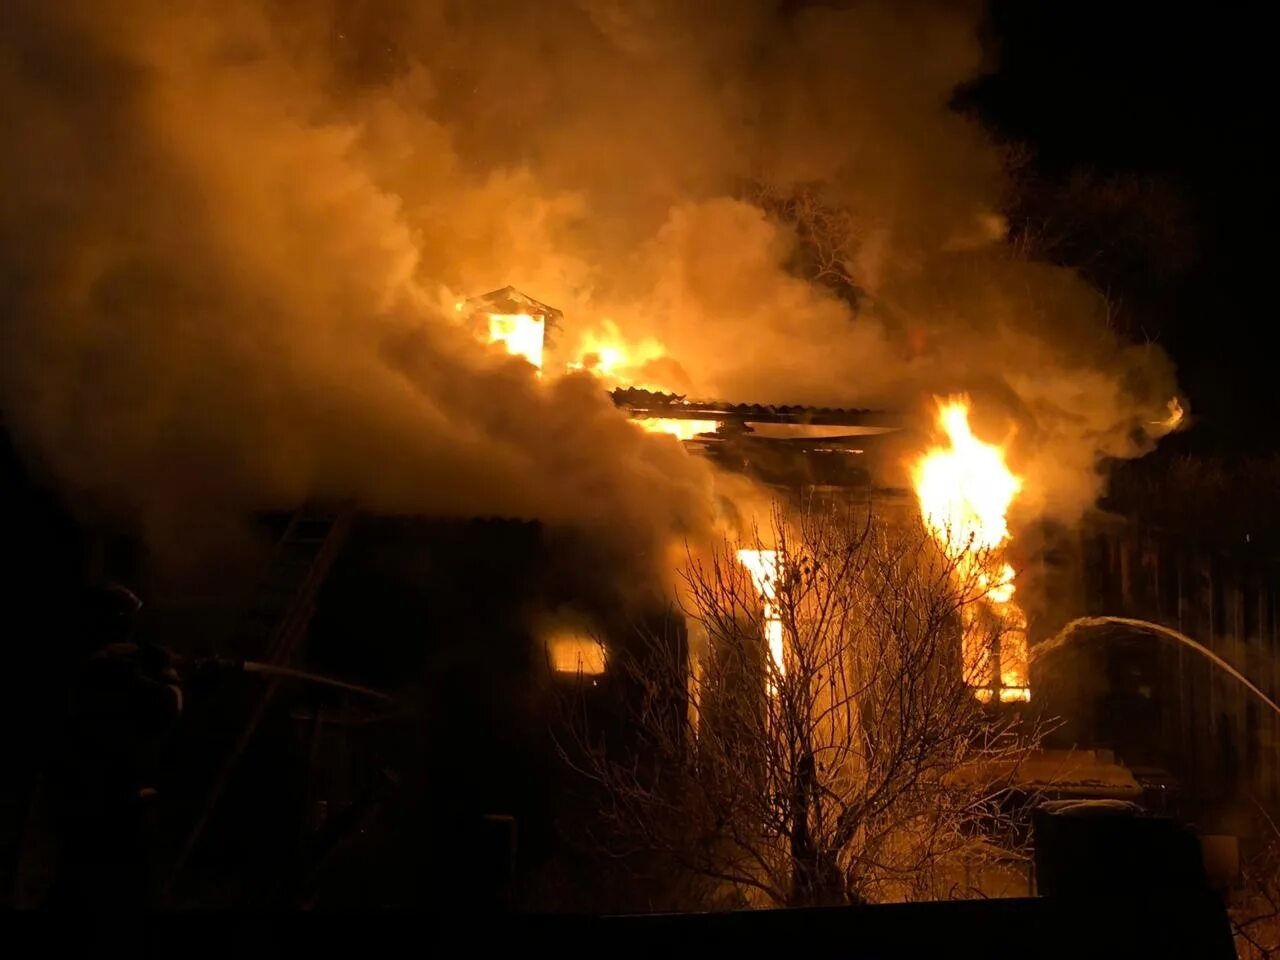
point(828, 236)
point(818, 743)
point(1255, 905)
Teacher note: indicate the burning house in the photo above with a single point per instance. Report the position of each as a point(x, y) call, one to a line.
point(478, 622)
point(484, 625)
point(383, 529)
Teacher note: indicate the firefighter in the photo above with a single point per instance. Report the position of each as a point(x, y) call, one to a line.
point(125, 701)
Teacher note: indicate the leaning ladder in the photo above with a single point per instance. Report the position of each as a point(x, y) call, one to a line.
point(271, 629)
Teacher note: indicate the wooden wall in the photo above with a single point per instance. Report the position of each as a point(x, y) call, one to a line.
point(1220, 740)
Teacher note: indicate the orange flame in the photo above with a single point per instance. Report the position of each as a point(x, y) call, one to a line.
point(606, 354)
point(965, 490)
point(611, 357)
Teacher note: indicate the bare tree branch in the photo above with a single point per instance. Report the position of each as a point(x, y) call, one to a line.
point(857, 767)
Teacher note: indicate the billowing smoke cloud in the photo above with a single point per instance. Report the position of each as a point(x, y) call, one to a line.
point(232, 233)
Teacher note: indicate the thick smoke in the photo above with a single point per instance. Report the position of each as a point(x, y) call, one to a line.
point(232, 234)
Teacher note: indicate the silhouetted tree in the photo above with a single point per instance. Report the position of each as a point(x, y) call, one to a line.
point(829, 237)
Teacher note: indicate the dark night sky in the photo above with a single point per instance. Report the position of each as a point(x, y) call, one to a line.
point(1180, 96)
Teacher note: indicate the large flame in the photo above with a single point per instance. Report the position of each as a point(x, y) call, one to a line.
point(642, 364)
point(521, 333)
point(965, 491)
point(606, 353)
point(762, 565)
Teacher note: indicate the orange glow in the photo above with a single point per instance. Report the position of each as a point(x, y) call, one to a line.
point(609, 356)
point(680, 429)
point(965, 490)
point(576, 653)
point(521, 333)
point(762, 565)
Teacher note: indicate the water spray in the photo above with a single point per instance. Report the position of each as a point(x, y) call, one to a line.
point(1146, 626)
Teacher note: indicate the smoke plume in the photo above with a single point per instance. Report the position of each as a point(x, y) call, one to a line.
point(233, 232)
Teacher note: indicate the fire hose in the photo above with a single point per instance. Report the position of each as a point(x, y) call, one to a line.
point(253, 666)
point(223, 664)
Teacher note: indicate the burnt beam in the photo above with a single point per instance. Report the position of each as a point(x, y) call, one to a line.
point(647, 403)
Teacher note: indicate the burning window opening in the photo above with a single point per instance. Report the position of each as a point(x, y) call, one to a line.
point(515, 320)
point(576, 653)
point(965, 490)
point(521, 333)
point(762, 565)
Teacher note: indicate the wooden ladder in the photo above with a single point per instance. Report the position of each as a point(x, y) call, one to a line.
point(271, 629)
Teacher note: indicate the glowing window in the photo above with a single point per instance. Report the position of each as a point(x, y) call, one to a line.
point(575, 653)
